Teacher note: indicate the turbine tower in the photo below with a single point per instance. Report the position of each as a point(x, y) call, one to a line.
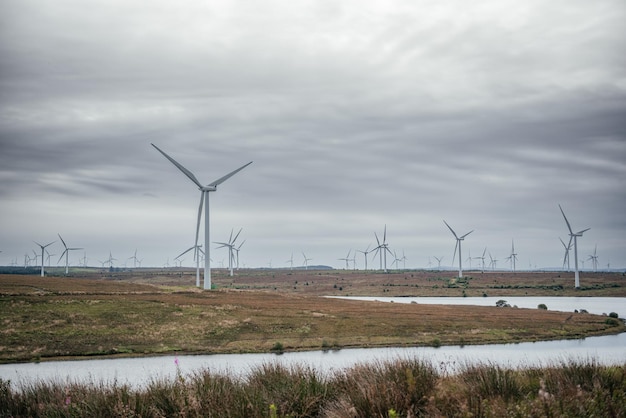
point(306, 261)
point(204, 199)
point(43, 248)
point(458, 245)
point(66, 254)
point(594, 258)
point(196, 256)
point(574, 236)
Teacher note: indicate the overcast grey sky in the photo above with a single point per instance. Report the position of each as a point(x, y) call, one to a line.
point(357, 115)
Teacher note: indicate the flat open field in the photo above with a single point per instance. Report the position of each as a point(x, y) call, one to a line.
point(161, 312)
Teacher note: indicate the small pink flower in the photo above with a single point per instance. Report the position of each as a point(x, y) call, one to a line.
point(176, 361)
point(68, 400)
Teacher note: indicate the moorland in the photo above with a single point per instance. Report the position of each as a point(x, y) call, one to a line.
point(97, 312)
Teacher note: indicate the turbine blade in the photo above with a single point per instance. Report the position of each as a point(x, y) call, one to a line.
point(62, 240)
point(577, 233)
point(236, 236)
point(566, 221)
point(385, 234)
point(455, 247)
point(60, 258)
point(229, 175)
point(377, 240)
point(180, 167)
point(467, 234)
point(199, 217)
point(451, 230)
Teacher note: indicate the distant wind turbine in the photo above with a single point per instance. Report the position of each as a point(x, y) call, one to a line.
point(66, 254)
point(231, 246)
point(290, 261)
point(482, 260)
point(594, 258)
point(43, 247)
point(196, 254)
point(513, 257)
point(365, 253)
point(567, 247)
point(306, 261)
point(493, 262)
point(574, 235)
point(458, 245)
point(346, 259)
point(438, 262)
point(204, 199)
point(382, 249)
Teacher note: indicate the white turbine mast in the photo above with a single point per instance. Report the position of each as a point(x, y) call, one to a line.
point(204, 200)
point(66, 253)
point(43, 247)
point(574, 235)
point(458, 245)
point(290, 261)
point(482, 260)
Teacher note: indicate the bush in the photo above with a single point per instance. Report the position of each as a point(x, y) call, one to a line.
point(278, 348)
point(502, 304)
point(542, 306)
point(614, 315)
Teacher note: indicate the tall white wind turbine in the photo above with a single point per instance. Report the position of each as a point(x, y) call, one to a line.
point(204, 199)
point(43, 248)
point(306, 261)
point(196, 253)
point(66, 253)
point(346, 259)
point(574, 236)
point(458, 245)
point(438, 262)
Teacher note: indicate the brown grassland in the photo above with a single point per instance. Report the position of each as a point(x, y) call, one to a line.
point(145, 312)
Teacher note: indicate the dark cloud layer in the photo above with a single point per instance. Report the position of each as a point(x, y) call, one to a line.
point(357, 115)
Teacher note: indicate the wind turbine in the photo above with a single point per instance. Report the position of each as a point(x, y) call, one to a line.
point(513, 256)
point(231, 245)
point(66, 254)
point(196, 255)
point(438, 262)
point(365, 253)
point(574, 236)
point(290, 261)
point(594, 259)
point(382, 249)
point(346, 259)
point(306, 261)
point(236, 249)
point(493, 262)
point(134, 258)
point(567, 247)
point(110, 260)
point(482, 260)
point(458, 245)
point(204, 199)
point(43, 247)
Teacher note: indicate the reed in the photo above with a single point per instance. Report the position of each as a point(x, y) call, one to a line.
point(399, 388)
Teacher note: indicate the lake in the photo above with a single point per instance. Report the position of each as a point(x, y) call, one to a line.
point(138, 372)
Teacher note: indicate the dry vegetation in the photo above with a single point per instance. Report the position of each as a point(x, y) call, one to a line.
point(126, 313)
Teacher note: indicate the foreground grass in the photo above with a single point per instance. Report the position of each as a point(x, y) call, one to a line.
point(400, 388)
point(45, 318)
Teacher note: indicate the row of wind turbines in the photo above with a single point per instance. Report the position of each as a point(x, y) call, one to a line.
point(382, 248)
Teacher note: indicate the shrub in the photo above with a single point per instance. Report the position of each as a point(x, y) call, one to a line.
point(502, 304)
point(278, 348)
point(542, 306)
point(614, 315)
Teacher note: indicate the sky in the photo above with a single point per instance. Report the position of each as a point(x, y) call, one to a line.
point(357, 115)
